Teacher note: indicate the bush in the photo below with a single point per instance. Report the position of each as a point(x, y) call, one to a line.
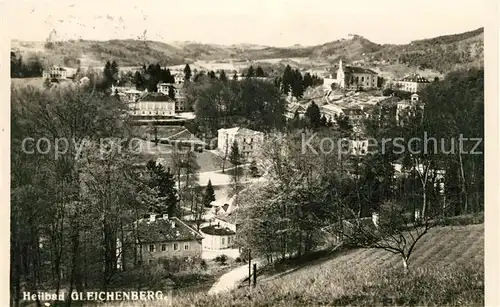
point(237, 260)
point(221, 259)
point(463, 220)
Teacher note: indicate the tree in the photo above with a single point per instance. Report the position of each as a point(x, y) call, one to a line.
point(313, 114)
point(250, 72)
point(211, 75)
point(235, 77)
point(163, 180)
point(222, 76)
point(259, 72)
point(393, 229)
point(236, 160)
point(209, 194)
point(171, 92)
point(187, 73)
point(114, 72)
point(138, 81)
point(254, 171)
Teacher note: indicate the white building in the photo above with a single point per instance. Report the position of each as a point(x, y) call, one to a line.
point(180, 97)
point(217, 237)
point(413, 83)
point(153, 104)
point(55, 72)
point(354, 77)
point(249, 141)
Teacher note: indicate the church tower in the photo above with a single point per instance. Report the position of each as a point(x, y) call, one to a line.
point(341, 75)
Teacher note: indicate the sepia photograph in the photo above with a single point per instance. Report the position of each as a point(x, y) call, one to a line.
point(247, 153)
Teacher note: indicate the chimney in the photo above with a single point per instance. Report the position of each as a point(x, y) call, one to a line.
point(375, 218)
point(173, 224)
point(152, 217)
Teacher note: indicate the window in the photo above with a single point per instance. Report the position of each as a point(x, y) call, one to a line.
point(223, 240)
point(152, 248)
point(362, 79)
point(164, 247)
point(228, 240)
point(186, 246)
point(176, 246)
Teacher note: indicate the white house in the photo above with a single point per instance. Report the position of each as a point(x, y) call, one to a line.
point(153, 104)
point(217, 237)
point(55, 72)
point(249, 141)
point(413, 83)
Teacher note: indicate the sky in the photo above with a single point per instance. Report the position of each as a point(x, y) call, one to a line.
point(266, 22)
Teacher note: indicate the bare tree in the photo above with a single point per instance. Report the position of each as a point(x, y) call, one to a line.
point(393, 229)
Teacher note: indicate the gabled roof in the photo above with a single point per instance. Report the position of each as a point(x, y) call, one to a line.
point(294, 107)
point(153, 96)
point(165, 230)
point(415, 78)
point(358, 70)
point(237, 130)
point(353, 111)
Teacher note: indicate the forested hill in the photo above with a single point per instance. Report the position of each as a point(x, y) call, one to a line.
point(443, 53)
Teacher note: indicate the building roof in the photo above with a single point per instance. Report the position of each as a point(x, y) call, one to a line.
point(238, 130)
point(294, 107)
point(153, 96)
point(215, 230)
point(415, 78)
point(185, 136)
point(165, 230)
point(358, 70)
point(353, 111)
point(231, 217)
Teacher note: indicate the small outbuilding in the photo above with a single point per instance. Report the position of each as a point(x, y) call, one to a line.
point(217, 237)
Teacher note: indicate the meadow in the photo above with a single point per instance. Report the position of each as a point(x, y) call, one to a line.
point(446, 269)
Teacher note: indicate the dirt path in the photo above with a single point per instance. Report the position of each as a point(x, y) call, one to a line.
point(231, 279)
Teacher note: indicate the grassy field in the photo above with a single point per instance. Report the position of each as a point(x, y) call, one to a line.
point(446, 269)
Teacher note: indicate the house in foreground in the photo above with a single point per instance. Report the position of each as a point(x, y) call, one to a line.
point(166, 237)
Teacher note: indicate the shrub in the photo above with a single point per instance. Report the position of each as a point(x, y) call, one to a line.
point(221, 259)
point(237, 260)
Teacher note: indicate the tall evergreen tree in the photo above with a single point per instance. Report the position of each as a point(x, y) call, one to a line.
point(171, 92)
point(164, 182)
point(313, 114)
point(208, 194)
point(259, 72)
point(187, 73)
point(250, 72)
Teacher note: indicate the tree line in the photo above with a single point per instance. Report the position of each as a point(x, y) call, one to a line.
point(69, 210)
point(251, 103)
point(316, 195)
point(22, 68)
point(294, 83)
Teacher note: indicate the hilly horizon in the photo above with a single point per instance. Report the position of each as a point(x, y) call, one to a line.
point(442, 53)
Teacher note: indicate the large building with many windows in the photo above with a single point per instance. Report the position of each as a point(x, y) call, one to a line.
point(153, 105)
point(413, 83)
point(179, 95)
point(166, 237)
point(249, 141)
point(354, 77)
